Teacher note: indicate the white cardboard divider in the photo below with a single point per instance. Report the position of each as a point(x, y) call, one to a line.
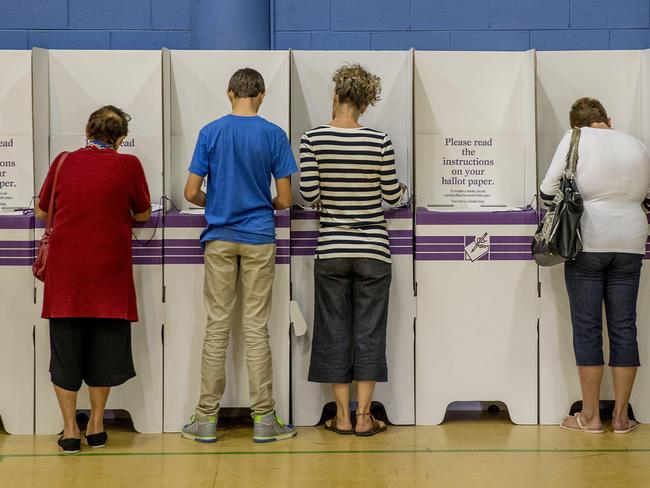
point(17, 324)
point(79, 83)
point(471, 96)
point(311, 106)
point(613, 77)
point(16, 148)
point(142, 396)
point(197, 94)
point(563, 77)
point(186, 320)
point(398, 394)
point(312, 90)
point(199, 83)
point(83, 81)
point(477, 305)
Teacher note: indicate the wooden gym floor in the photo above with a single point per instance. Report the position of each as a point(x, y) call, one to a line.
point(459, 453)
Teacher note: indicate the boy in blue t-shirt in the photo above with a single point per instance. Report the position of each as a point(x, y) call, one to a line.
point(239, 153)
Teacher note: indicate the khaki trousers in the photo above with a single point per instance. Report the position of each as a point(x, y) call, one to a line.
point(231, 267)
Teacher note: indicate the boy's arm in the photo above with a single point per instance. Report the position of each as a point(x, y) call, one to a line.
point(284, 198)
point(193, 192)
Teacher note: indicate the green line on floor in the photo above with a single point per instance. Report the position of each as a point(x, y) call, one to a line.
point(372, 451)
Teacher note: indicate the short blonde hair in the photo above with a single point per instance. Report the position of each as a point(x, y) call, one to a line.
point(355, 85)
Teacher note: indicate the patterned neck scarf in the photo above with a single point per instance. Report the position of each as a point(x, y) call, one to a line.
point(98, 144)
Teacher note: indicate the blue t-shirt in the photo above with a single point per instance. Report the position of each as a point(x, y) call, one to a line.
point(239, 154)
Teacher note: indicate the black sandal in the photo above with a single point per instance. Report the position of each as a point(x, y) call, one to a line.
point(69, 446)
point(97, 440)
point(375, 429)
point(333, 428)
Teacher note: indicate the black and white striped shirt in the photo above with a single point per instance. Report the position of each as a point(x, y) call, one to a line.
point(348, 172)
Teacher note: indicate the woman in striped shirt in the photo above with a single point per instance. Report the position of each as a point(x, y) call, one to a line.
point(347, 170)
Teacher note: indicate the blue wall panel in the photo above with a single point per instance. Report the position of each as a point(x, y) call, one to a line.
point(569, 40)
point(369, 15)
point(171, 14)
point(305, 15)
point(449, 14)
point(150, 39)
point(70, 39)
point(33, 14)
point(608, 14)
point(424, 40)
point(490, 41)
point(116, 14)
point(326, 24)
point(13, 39)
point(630, 39)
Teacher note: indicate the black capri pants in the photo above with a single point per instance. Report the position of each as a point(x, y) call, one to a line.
point(350, 317)
point(97, 351)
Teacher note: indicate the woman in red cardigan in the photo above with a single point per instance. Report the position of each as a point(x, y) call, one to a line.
point(89, 291)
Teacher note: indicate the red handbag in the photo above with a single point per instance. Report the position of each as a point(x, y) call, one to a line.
point(40, 264)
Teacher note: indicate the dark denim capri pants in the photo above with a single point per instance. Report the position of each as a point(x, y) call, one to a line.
point(350, 316)
point(612, 278)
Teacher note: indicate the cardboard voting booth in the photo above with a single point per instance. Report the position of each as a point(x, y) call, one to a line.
point(477, 304)
point(197, 95)
point(16, 242)
point(79, 83)
point(563, 77)
point(311, 106)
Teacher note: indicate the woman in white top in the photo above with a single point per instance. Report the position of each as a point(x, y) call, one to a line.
point(613, 177)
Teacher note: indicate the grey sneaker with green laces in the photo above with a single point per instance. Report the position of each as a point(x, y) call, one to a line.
point(201, 429)
point(269, 428)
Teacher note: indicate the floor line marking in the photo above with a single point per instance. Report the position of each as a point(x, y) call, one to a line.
point(371, 451)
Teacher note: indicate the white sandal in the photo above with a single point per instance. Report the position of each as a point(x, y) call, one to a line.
point(581, 428)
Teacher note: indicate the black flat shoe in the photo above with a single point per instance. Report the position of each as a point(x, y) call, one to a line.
point(97, 440)
point(70, 446)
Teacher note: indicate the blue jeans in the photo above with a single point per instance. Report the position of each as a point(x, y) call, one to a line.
point(613, 278)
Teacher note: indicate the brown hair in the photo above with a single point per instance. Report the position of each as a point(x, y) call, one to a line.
point(586, 111)
point(246, 82)
point(108, 124)
point(354, 85)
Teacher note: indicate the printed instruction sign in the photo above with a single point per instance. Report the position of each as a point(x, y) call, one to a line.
point(470, 171)
point(16, 174)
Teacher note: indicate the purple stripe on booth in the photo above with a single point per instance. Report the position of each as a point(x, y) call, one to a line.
point(304, 242)
point(16, 261)
point(156, 243)
point(182, 243)
point(310, 251)
point(400, 233)
point(400, 241)
point(521, 217)
point(439, 248)
point(17, 221)
point(184, 259)
point(511, 239)
point(174, 218)
point(502, 256)
point(398, 213)
point(401, 251)
point(509, 247)
point(17, 253)
point(440, 239)
point(143, 260)
point(282, 260)
point(450, 256)
point(17, 244)
point(304, 234)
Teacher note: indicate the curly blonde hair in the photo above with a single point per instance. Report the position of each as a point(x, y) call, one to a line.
point(355, 85)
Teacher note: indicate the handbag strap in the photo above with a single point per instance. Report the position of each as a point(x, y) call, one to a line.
point(50, 211)
point(572, 155)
